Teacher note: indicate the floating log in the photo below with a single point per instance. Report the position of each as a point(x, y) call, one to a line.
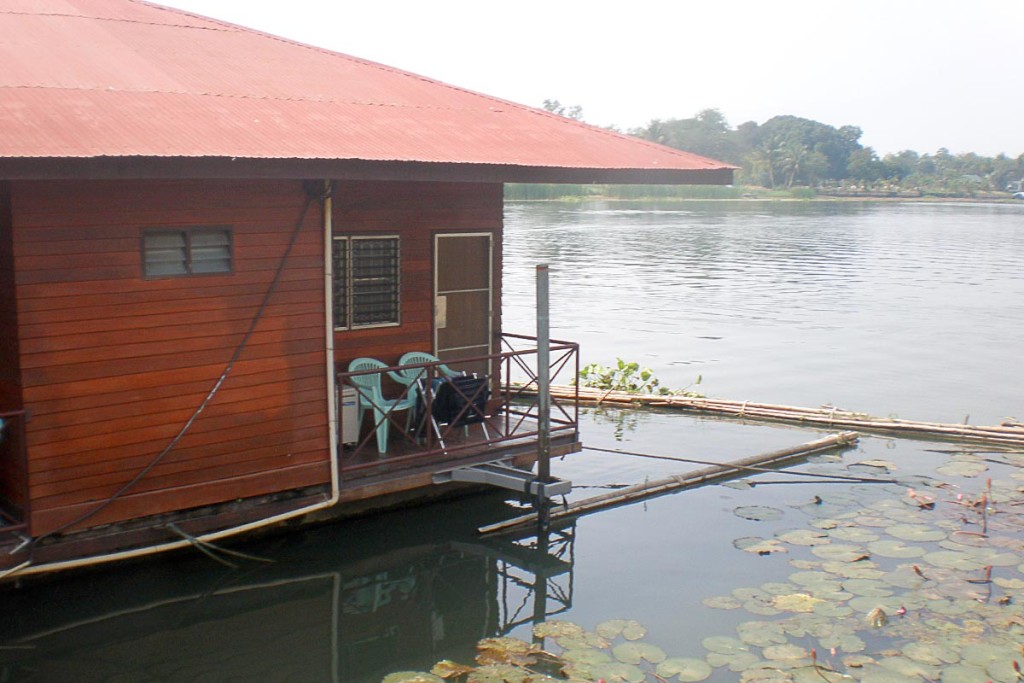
point(676, 482)
point(1011, 433)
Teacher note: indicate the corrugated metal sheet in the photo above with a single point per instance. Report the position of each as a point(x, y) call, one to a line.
point(123, 78)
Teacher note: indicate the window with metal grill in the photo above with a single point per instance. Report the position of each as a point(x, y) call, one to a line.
point(366, 282)
point(186, 251)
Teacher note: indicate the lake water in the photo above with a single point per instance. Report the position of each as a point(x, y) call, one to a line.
point(915, 310)
point(908, 309)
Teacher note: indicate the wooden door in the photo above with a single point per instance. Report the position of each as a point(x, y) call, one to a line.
point(463, 296)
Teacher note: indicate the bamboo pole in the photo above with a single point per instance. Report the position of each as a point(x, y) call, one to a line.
point(1006, 433)
point(658, 487)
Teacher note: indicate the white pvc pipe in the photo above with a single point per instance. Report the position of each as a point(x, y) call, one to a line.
point(27, 568)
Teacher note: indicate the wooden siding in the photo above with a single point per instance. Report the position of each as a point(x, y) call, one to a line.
point(415, 212)
point(113, 365)
point(13, 477)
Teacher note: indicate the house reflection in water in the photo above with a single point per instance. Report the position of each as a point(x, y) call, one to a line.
point(326, 609)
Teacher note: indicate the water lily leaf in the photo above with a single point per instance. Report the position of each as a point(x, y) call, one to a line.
point(962, 468)
point(866, 587)
point(962, 673)
point(506, 650)
point(411, 677)
point(636, 652)
point(840, 552)
point(620, 671)
point(795, 602)
point(761, 633)
point(587, 657)
point(758, 513)
point(803, 537)
point(847, 642)
point(853, 534)
point(722, 602)
point(833, 609)
point(777, 588)
point(628, 629)
point(582, 641)
point(1014, 585)
point(500, 673)
point(932, 653)
point(951, 559)
point(759, 546)
point(448, 669)
point(908, 667)
point(916, 532)
point(983, 654)
point(785, 651)
point(741, 484)
point(724, 645)
point(557, 629)
point(686, 668)
point(737, 661)
point(764, 609)
point(828, 523)
point(896, 549)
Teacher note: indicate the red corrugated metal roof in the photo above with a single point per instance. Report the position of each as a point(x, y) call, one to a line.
point(86, 79)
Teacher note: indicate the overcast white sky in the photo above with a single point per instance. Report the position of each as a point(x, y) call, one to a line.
point(912, 74)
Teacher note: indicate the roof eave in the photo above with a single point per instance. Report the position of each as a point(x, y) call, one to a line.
point(343, 169)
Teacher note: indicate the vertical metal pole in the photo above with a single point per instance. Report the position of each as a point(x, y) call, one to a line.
point(543, 377)
point(543, 398)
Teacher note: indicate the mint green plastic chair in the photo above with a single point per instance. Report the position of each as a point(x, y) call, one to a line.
point(413, 375)
point(371, 397)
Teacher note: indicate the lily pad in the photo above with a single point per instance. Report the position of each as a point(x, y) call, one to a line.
point(686, 668)
point(807, 537)
point(449, 669)
point(628, 629)
point(761, 633)
point(785, 651)
point(501, 673)
point(724, 645)
point(557, 629)
point(962, 468)
point(867, 587)
point(737, 661)
point(840, 552)
point(853, 534)
point(895, 549)
point(916, 532)
point(637, 652)
point(795, 602)
point(758, 513)
point(411, 677)
point(722, 602)
point(759, 546)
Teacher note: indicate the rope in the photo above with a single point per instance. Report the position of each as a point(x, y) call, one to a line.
point(310, 197)
point(751, 468)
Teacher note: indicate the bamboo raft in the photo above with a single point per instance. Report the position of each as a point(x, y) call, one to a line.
point(1008, 433)
point(707, 475)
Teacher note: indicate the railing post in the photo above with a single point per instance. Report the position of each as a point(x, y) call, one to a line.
point(543, 389)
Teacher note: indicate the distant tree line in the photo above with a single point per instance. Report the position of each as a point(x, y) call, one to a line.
point(788, 152)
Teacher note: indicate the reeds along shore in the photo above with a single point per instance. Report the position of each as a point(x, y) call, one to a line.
point(1008, 433)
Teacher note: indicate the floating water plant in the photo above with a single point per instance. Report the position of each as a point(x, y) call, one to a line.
point(883, 589)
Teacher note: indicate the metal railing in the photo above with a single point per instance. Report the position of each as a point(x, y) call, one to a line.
point(408, 395)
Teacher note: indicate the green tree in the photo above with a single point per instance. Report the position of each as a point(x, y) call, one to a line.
point(574, 112)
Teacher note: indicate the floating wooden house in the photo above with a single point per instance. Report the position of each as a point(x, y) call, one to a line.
point(201, 227)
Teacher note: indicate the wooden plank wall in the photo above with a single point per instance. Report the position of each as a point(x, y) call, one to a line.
point(415, 212)
point(113, 365)
point(13, 478)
